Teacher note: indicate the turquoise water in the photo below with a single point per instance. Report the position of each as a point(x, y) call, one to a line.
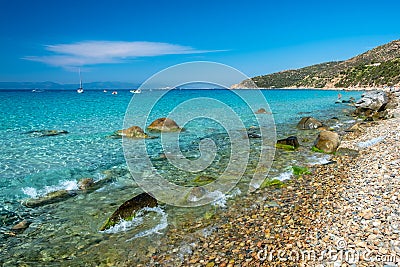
point(67, 231)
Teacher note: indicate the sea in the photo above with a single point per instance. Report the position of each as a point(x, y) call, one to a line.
point(34, 163)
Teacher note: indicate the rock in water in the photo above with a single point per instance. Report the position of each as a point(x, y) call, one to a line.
point(49, 198)
point(309, 123)
point(374, 100)
point(44, 133)
point(127, 210)
point(164, 125)
point(131, 132)
point(290, 141)
point(327, 141)
point(261, 111)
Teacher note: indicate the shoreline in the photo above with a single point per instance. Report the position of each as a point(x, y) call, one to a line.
point(350, 205)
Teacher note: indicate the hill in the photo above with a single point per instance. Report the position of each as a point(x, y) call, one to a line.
point(378, 67)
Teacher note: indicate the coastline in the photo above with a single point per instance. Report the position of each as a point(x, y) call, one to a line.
point(350, 205)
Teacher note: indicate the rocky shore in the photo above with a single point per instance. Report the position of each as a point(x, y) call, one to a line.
point(345, 213)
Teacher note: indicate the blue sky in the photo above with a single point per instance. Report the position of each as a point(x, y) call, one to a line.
point(128, 41)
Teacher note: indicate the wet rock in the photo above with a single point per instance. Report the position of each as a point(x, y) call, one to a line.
point(164, 125)
point(131, 132)
point(327, 141)
point(85, 183)
point(127, 210)
point(44, 133)
point(50, 198)
point(196, 193)
point(309, 123)
point(254, 133)
point(290, 141)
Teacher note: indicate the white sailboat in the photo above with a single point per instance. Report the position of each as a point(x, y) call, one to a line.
point(137, 91)
point(80, 89)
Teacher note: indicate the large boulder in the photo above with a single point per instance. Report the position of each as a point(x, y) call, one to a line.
point(290, 141)
point(132, 132)
point(164, 125)
point(374, 100)
point(128, 210)
point(327, 141)
point(309, 123)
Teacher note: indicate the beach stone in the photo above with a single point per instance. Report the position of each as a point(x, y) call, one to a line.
point(327, 141)
point(132, 132)
point(85, 183)
point(128, 209)
point(374, 100)
point(356, 128)
point(309, 123)
point(50, 198)
point(290, 141)
point(164, 125)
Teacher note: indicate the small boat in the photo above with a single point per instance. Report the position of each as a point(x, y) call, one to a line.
point(37, 91)
point(114, 93)
point(80, 89)
point(137, 91)
point(104, 91)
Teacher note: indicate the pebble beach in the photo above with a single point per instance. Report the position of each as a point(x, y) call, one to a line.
point(345, 213)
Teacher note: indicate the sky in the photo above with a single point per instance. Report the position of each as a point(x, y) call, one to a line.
point(128, 41)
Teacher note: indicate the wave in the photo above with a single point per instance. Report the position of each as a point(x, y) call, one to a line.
point(140, 219)
point(68, 185)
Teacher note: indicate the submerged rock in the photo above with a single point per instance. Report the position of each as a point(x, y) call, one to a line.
point(21, 226)
point(327, 141)
point(52, 197)
point(131, 132)
point(290, 141)
point(164, 125)
point(127, 210)
point(309, 123)
point(44, 133)
point(203, 180)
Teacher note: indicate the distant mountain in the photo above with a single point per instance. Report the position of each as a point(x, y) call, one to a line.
point(377, 67)
point(55, 86)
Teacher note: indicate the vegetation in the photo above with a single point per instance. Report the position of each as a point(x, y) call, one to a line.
point(285, 147)
point(377, 67)
point(272, 183)
point(315, 149)
point(298, 170)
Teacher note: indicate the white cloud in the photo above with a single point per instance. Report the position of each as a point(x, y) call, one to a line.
point(98, 52)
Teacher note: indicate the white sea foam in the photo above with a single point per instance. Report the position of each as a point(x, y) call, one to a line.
point(219, 198)
point(285, 175)
point(314, 160)
point(30, 191)
point(63, 185)
point(371, 142)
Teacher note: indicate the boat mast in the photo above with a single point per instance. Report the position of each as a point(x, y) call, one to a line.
point(80, 79)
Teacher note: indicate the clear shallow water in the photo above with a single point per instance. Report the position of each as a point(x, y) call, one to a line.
point(68, 231)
